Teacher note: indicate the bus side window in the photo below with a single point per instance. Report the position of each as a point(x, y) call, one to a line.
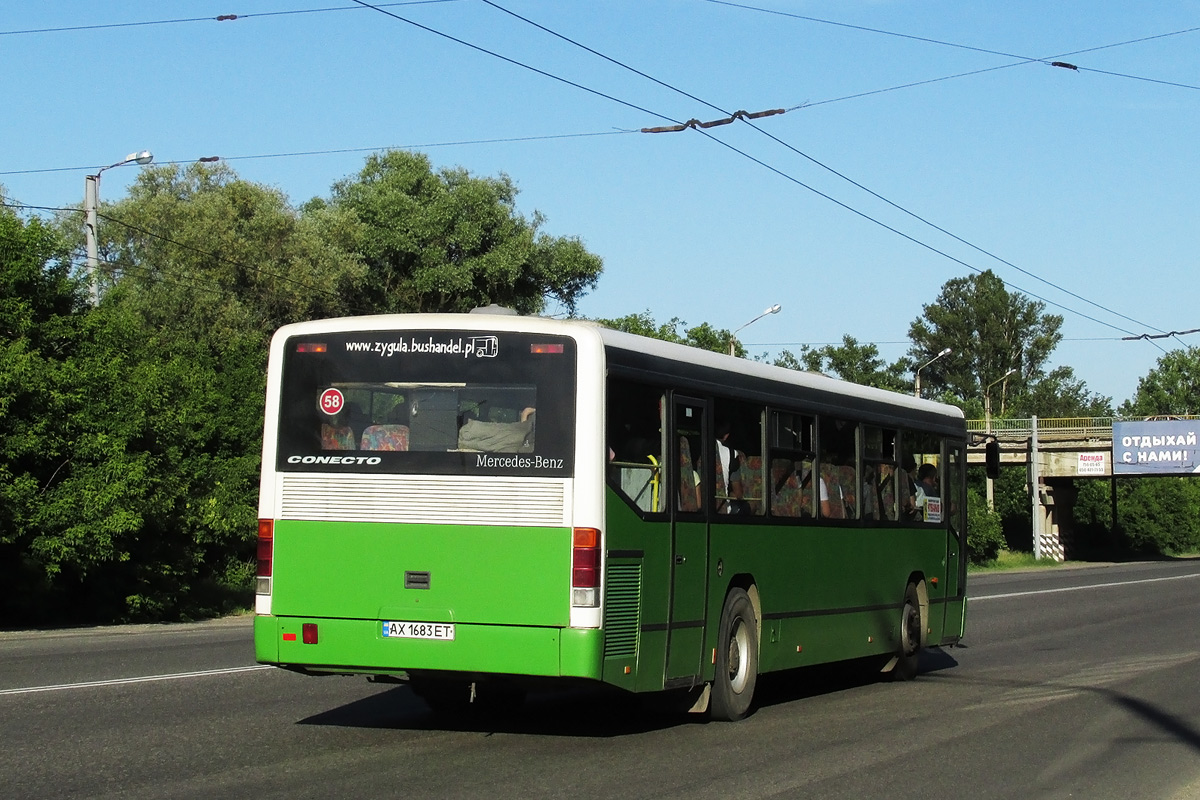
point(635, 444)
point(879, 474)
point(839, 473)
point(738, 465)
point(790, 485)
point(922, 460)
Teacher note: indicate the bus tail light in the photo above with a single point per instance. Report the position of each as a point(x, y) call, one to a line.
point(266, 550)
point(585, 567)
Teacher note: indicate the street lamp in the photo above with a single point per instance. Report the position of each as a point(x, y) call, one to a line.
point(987, 399)
point(987, 423)
point(91, 202)
point(733, 336)
point(917, 375)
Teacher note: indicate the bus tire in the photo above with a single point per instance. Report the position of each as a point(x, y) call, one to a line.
point(737, 659)
point(908, 652)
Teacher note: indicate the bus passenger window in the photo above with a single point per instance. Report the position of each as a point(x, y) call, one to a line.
point(738, 488)
point(635, 444)
point(838, 460)
point(790, 486)
point(879, 474)
point(922, 461)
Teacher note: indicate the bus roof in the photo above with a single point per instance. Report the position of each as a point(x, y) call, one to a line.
point(633, 346)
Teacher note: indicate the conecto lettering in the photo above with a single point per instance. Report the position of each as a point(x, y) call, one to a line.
point(334, 460)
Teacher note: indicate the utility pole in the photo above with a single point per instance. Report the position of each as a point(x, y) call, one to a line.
point(91, 205)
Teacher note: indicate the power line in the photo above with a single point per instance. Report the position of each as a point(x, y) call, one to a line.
point(746, 118)
point(1048, 60)
point(379, 7)
point(339, 151)
point(219, 18)
point(514, 62)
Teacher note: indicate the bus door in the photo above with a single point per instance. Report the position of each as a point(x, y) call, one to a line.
point(690, 446)
point(955, 509)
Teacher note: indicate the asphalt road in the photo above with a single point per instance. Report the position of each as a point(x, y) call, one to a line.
point(1080, 683)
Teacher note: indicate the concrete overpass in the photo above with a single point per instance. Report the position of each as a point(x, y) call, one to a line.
point(1059, 451)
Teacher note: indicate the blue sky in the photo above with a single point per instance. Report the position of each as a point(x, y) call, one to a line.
point(1085, 179)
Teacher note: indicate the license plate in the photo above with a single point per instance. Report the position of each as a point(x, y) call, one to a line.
point(442, 631)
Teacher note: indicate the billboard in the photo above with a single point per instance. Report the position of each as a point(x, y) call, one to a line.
point(1156, 447)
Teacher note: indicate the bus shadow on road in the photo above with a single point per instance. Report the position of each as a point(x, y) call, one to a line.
point(778, 688)
point(591, 713)
point(600, 713)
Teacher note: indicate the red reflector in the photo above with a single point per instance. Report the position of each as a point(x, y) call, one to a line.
point(311, 347)
point(545, 348)
point(309, 631)
point(289, 637)
point(266, 547)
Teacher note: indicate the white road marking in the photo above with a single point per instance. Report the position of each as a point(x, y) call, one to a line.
point(141, 679)
point(1080, 588)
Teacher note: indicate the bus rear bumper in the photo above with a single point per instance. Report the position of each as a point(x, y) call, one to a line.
point(359, 646)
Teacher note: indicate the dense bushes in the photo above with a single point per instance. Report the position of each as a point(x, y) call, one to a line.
point(985, 535)
point(130, 433)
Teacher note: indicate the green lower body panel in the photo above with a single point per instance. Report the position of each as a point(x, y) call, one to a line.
point(357, 645)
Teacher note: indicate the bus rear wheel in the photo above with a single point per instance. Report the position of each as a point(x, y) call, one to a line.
point(737, 659)
point(911, 627)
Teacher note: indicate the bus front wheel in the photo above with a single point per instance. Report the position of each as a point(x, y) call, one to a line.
point(737, 659)
point(911, 627)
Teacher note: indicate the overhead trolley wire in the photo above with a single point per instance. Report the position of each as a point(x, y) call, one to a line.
point(1053, 61)
point(341, 150)
point(218, 18)
point(747, 117)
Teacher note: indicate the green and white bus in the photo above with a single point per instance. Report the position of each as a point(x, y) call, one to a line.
point(478, 503)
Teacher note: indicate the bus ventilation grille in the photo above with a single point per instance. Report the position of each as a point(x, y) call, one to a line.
point(431, 499)
point(622, 609)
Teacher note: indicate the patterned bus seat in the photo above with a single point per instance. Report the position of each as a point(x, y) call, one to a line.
point(385, 437)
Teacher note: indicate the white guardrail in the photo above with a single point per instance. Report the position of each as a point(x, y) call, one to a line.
point(1084, 427)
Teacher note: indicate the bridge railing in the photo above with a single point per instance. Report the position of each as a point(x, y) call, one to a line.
point(1061, 426)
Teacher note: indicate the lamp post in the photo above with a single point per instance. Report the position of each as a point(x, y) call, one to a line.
point(91, 202)
point(917, 375)
point(987, 423)
point(733, 336)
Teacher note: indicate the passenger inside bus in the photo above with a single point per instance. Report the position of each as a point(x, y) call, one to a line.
point(730, 491)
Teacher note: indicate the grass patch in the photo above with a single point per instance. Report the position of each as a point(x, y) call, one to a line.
point(1014, 559)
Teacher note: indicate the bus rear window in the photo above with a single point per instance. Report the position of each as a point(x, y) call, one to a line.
point(436, 402)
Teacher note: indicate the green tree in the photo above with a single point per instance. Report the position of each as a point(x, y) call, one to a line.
point(448, 241)
point(40, 309)
point(703, 336)
point(1060, 394)
point(851, 361)
point(203, 253)
point(990, 331)
point(1171, 387)
point(1160, 515)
